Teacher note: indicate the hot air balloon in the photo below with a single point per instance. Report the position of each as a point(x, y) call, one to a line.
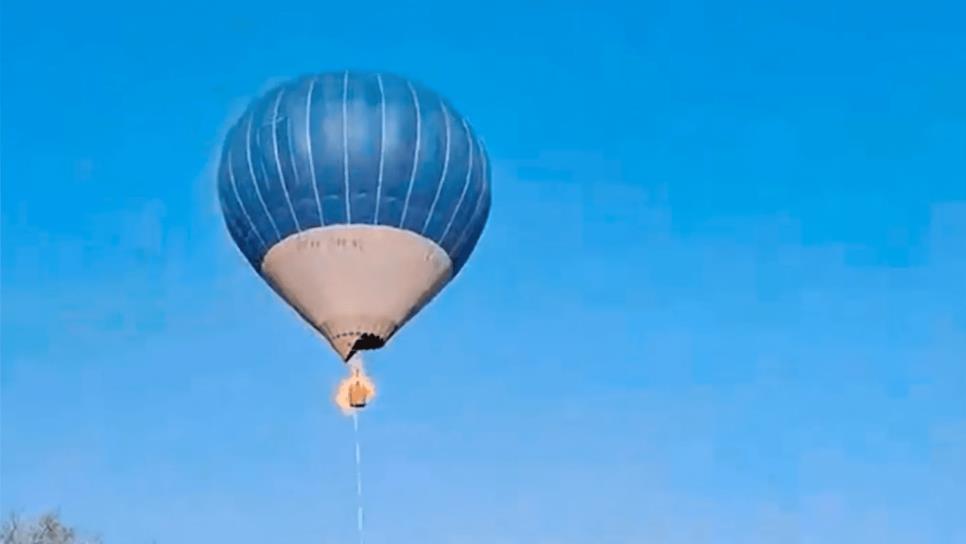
point(357, 197)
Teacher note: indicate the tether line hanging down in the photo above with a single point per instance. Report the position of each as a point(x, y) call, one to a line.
point(355, 426)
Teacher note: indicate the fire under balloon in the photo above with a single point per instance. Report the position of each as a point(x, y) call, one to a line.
point(356, 390)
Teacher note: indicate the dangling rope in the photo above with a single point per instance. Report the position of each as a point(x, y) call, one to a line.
point(355, 426)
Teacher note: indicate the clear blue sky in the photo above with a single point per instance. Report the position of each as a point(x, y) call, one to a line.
point(721, 296)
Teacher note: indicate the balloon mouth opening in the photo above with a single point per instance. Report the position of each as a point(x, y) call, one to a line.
point(366, 341)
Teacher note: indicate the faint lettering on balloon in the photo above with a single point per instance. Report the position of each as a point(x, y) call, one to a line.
point(347, 243)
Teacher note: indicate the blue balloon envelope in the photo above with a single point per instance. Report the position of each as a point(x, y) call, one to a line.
point(357, 197)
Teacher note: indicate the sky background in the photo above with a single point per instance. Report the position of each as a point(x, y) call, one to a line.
point(720, 297)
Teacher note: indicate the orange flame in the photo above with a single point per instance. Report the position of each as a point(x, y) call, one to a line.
point(356, 383)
